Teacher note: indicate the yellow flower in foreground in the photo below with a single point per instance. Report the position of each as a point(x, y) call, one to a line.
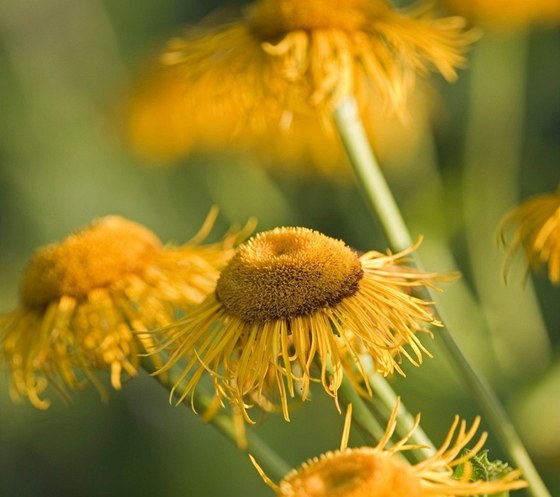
point(507, 13)
point(288, 297)
point(380, 472)
point(82, 300)
point(272, 79)
point(535, 226)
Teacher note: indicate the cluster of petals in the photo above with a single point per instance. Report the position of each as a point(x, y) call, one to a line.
point(83, 300)
point(534, 228)
point(381, 471)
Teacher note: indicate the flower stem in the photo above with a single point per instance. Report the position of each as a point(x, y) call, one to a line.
point(368, 421)
point(386, 396)
point(385, 208)
point(361, 414)
point(274, 465)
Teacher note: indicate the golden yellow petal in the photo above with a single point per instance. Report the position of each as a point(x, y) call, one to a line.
point(534, 227)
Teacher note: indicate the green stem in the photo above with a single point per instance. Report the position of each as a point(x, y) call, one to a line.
point(370, 177)
point(383, 402)
point(385, 395)
point(385, 208)
point(274, 465)
point(361, 414)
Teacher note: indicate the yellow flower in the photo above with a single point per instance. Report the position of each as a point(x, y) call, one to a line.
point(380, 472)
point(272, 80)
point(507, 13)
point(536, 229)
point(83, 299)
point(288, 297)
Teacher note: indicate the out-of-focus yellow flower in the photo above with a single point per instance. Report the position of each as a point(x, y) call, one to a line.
point(268, 84)
point(83, 299)
point(535, 228)
point(311, 147)
point(507, 14)
point(380, 472)
point(290, 297)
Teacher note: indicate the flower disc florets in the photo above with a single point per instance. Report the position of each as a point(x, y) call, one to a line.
point(92, 258)
point(286, 273)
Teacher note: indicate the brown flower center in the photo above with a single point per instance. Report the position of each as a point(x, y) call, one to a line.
point(271, 19)
point(287, 272)
point(92, 258)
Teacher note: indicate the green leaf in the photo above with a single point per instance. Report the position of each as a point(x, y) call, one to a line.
point(482, 468)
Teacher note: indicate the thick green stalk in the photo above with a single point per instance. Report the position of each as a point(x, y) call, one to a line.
point(385, 208)
point(361, 413)
point(383, 403)
point(385, 395)
point(275, 466)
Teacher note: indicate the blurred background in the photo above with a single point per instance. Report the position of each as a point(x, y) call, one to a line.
point(490, 140)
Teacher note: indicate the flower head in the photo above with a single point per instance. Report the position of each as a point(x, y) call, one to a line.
point(274, 76)
point(83, 299)
point(509, 14)
point(380, 472)
point(535, 227)
point(289, 297)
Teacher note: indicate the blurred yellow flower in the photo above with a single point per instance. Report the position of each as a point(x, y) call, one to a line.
point(380, 472)
point(507, 14)
point(289, 297)
point(269, 83)
point(83, 299)
point(535, 227)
